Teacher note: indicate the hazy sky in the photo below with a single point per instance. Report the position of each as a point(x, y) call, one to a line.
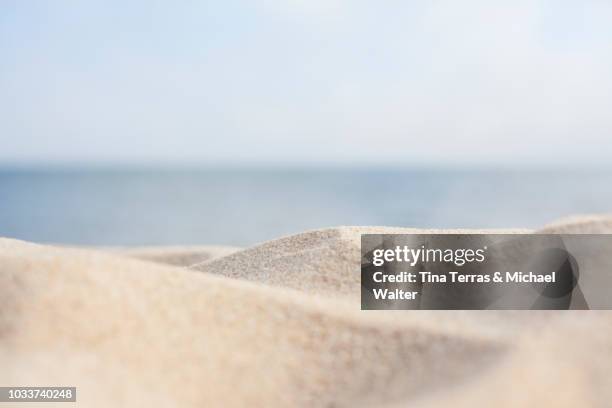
point(306, 81)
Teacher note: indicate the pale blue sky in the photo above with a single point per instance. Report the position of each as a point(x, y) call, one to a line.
point(306, 81)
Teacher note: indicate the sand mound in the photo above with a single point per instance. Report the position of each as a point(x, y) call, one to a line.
point(277, 325)
point(322, 262)
point(177, 255)
point(581, 224)
point(169, 337)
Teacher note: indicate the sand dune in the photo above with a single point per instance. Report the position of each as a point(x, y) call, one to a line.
point(322, 262)
point(278, 325)
point(178, 255)
point(580, 224)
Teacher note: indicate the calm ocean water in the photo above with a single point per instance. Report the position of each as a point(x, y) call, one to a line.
point(240, 207)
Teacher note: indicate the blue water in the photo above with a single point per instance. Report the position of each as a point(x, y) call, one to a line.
point(243, 207)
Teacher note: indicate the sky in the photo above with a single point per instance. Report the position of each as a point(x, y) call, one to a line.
point(306, 81)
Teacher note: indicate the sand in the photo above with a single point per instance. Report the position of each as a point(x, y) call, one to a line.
point(279, 325)
point(177, 255)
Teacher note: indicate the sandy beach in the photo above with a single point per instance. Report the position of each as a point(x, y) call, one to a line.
point(279, 324)
point(334, 204)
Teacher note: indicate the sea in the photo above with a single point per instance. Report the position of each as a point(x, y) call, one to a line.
point(242, 206)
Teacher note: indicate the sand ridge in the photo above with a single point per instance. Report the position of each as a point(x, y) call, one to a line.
point(178, 255)
point(248, 329)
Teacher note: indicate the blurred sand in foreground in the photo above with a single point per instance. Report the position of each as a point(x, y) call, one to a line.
point(279, 325)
